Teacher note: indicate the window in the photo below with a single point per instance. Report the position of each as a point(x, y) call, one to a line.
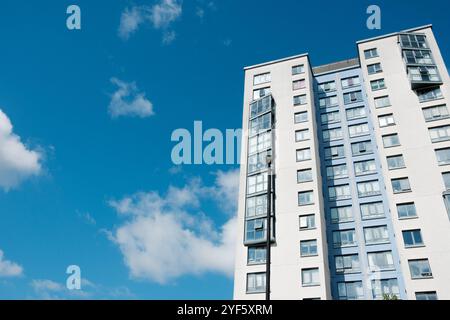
point(310, 277)
point(439, 134)
point(256, 255)
point(257, 161)
point(344, 238)
point(304, 175)
point(356, 113)
point(327, 87)
point(377, 84)
point(328, 102)
point(413, 40)
point(260, 106)
point(299, 84)
point(300, 100)
point(339, 192)
point(334, 152)
point(418, 57)
point(391, 140)
point(308, 248)
point(385, 286)
point(332, 134)
point(420, 269)
point(382, 102)
point(350, 82)
point(260, 93)
point(256, 282)
point(330, 117)
point(374, 68)
point(303, 154)
point(301, 117)
point(262, 78)
point(255, 230)
point(256, 206)
point(427, 74)
point(412, 238)
point(368, 188)
point(435, 113)
point(446, 178)
point(395, 162)
point(358, 130)
point(361, 148)
point(260, 142)
point(305, 198)
point(298, 69)
point(400, 185)
point(380, 260)
point(260, 124)
point(353, 97)
point(365, 167)
point(301, 135)
point(337, 172)
point(341, 214)
point(430, 295)
point(350, 290)
point(373, 210)
point(429, 94)
point(307, 222)
point(370, 53)
point(376, 235)
point(443, 156)
point(257, 183)
point(347, 263)
point(386, 120)
point(406, 210)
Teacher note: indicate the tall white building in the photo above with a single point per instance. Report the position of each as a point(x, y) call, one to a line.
point(361, 169)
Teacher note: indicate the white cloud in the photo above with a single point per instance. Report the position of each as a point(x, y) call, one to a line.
point(17, 162)
point(166, 237)
point(128, 101)
point(161, 16)
point(9, 268)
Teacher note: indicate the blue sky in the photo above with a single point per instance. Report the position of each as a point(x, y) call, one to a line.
point(86, 176)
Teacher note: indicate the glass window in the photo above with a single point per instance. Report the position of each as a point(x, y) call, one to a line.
point(347, 263)
point(429, 94)
point(256, 255)
point(255, 230)
point(260, 93)
point(439, 134)
point(334, 152)
point(446, 178)
point(391, 140)
point(356, 113)
point(307, 222)
point(375, 235)
point(256, 206)
point(339, 192)
point(417, 57)
point(373, 210)
point(374, 68)
point(303, 154)
point(350, 290)
point(412, 238)
point(395, 162)
point(298, 69)
point(368, 188)
point(310, 277)
point(370, 53)
point(257, 161)
point(443, 156)
point(328, 102)
point(308, 248)
point(261, 123)
point(383, 287)
point(256, 282)
point(427, 74)
point(420, 269)
point(327, 87)
point(301, 117)
point(400, 185)
point(262, 78)
point(350, 82)
point(361, 148)
point(301, 135)
point(330, 117)
point(358, 130)
point(377, 84)
point(337, 172)
point(430, 295)
point(341, 214)
point(260, 106)
point(413, 40)
point(257, 183)
point(386, 120)
point(435, 113)
point(260, 142)
point(304, 175)
point(299, 84)
point(353, 97)
point(305, 198)
point(344, 238)
point(380, 260)
point(382, 102)
point(332, 134)
point(406, 210)
point(365, 167)
point(300, 100)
